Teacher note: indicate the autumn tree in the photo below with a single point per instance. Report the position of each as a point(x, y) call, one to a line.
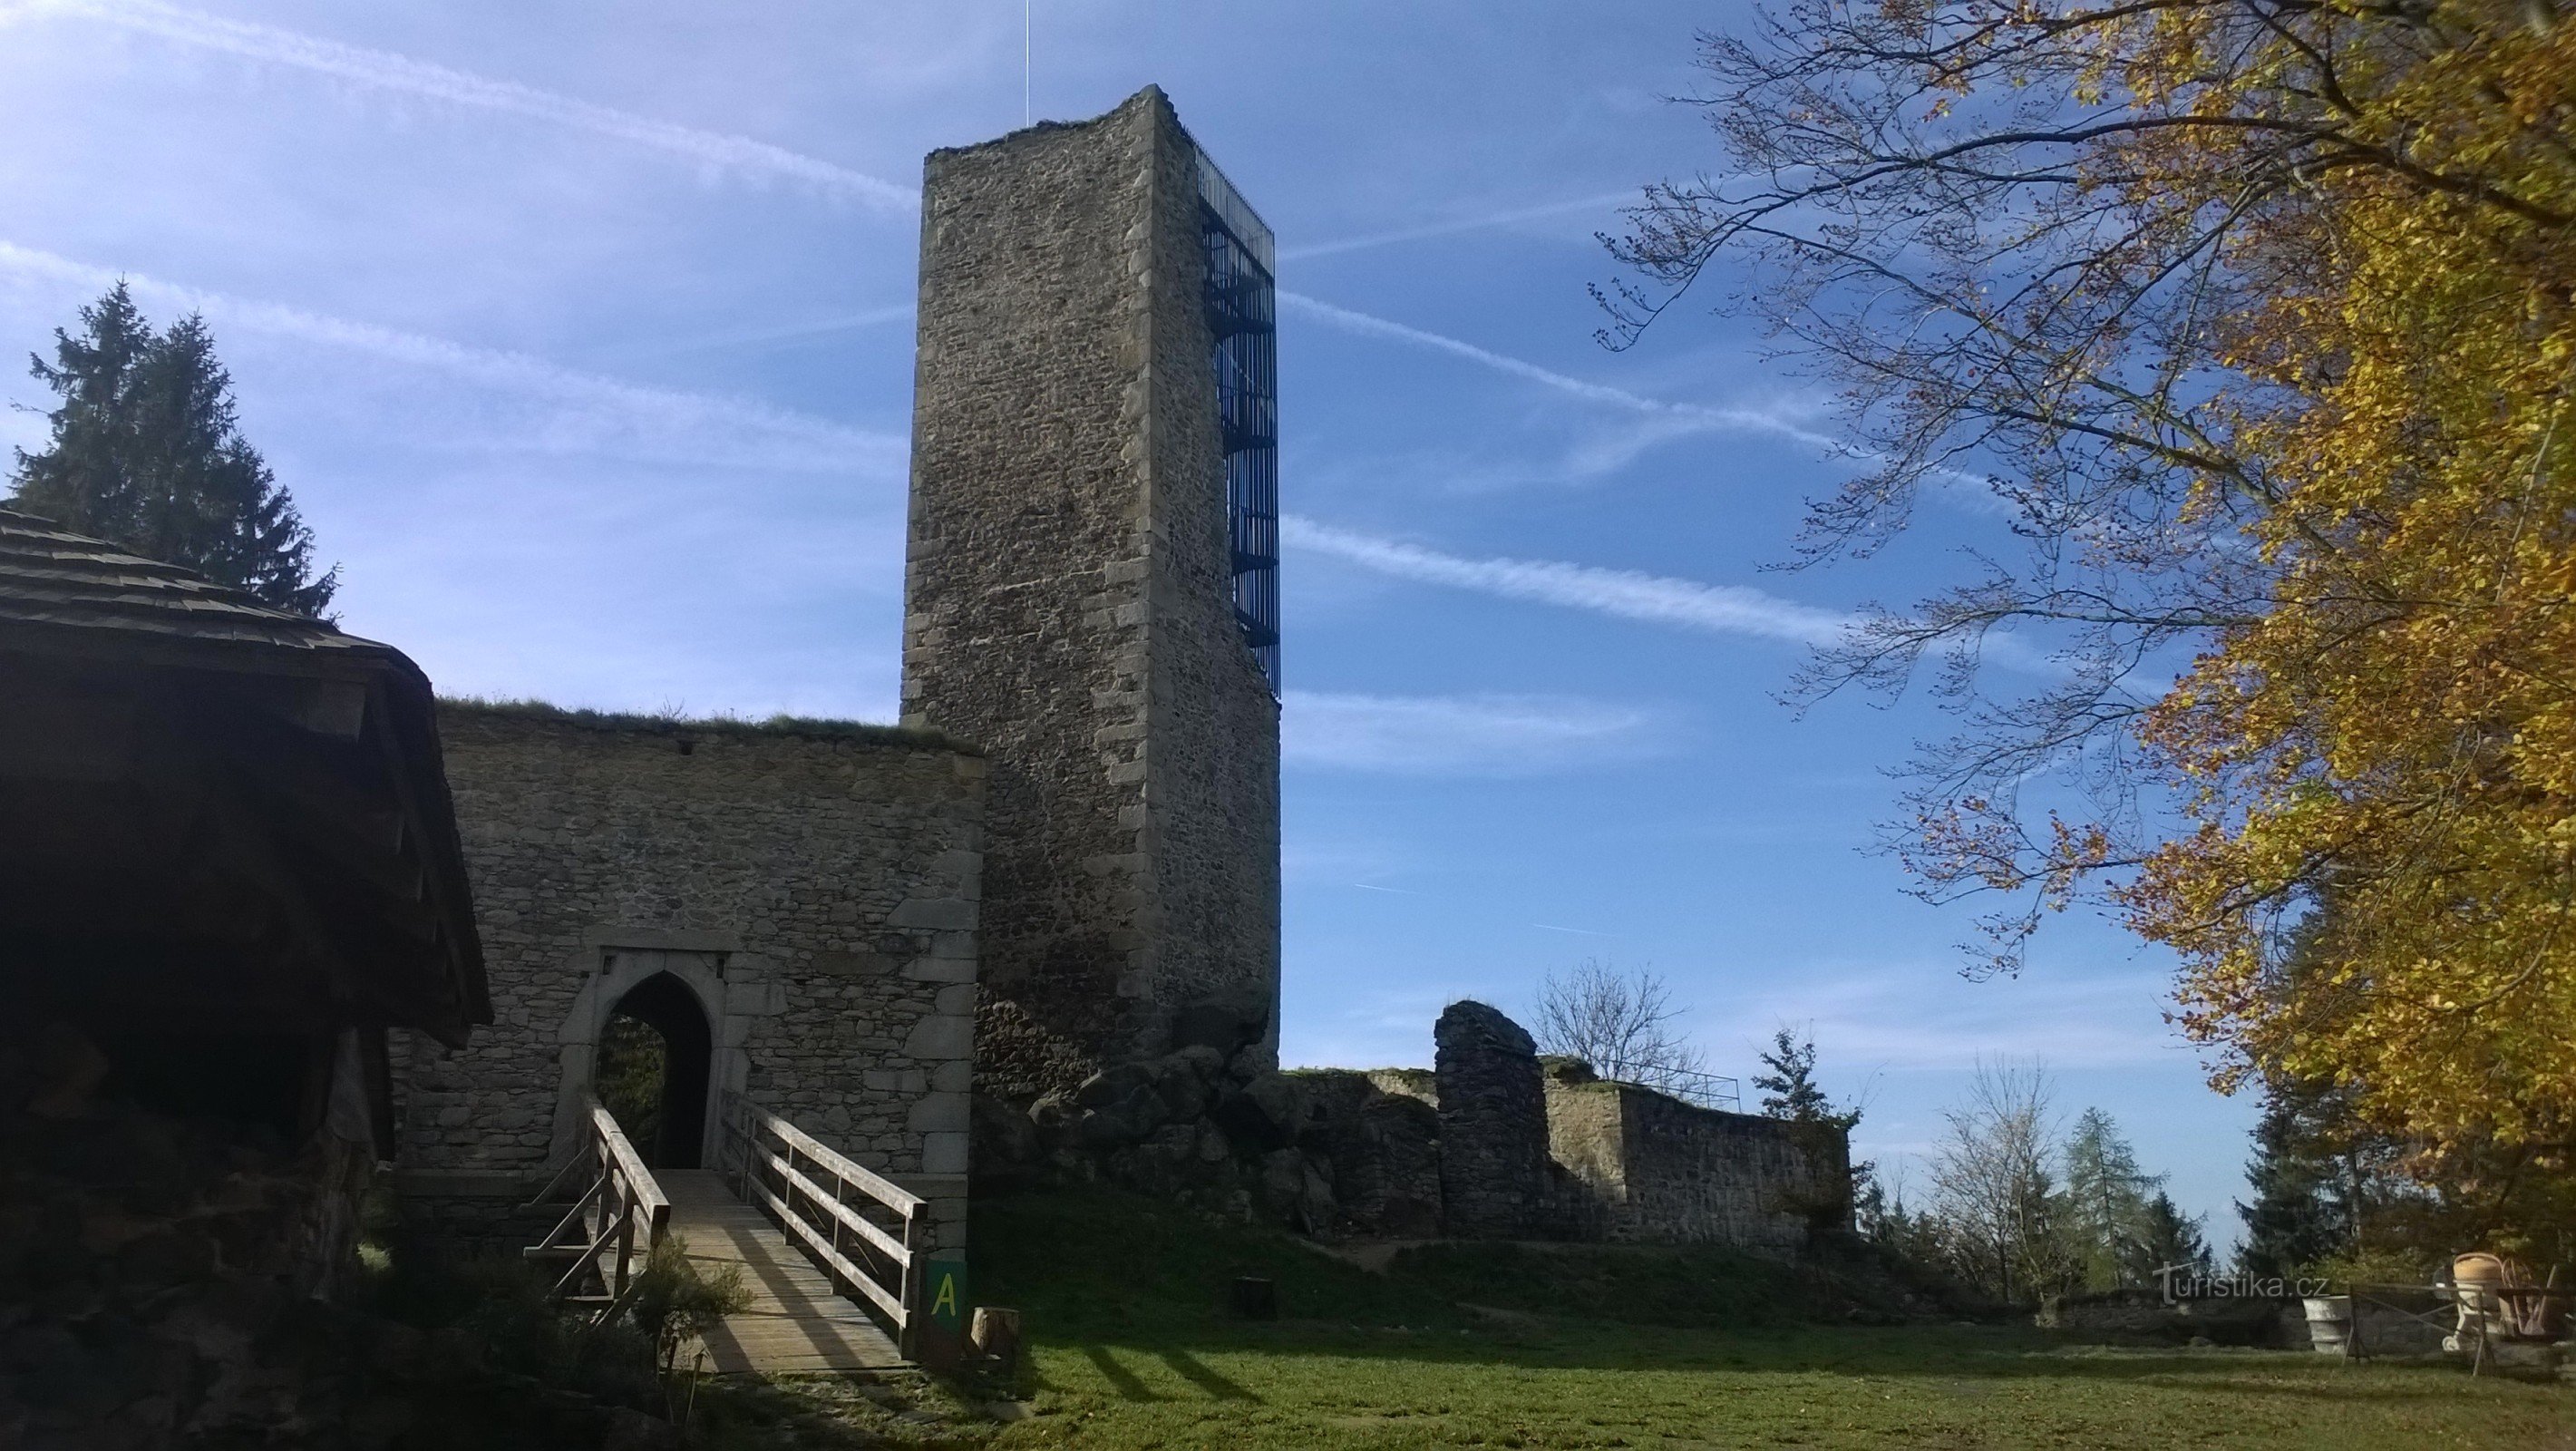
point(2255, 319)
point(146, 451)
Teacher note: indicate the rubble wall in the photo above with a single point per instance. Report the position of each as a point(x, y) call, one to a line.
point(1494, 1172)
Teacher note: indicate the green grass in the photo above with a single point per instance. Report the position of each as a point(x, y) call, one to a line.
point(1132, 1347)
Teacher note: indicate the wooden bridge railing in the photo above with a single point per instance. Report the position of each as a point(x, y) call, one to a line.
point(822, 1198)
point(616, 1221)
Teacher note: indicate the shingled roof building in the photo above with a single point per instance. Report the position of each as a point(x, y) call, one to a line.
point(221, 816)
point(230, 865)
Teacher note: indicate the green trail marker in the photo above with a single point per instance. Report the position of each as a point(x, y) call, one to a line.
point(944, 1308)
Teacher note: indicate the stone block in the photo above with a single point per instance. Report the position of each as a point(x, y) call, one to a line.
point(938, 1039)
point(946, 913)
point(943, 1153)
point(941, 1112)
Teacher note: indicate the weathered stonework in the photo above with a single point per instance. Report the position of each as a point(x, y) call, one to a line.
point(1066, 595)
point(1659, 1169)
point(815, 888)
point(1494, 1179)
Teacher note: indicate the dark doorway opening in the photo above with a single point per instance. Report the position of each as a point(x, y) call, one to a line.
point(654, 1056)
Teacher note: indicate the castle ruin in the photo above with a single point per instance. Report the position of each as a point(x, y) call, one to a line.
point(1091, 594)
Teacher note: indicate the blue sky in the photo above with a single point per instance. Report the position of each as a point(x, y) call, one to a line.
point(582, 333)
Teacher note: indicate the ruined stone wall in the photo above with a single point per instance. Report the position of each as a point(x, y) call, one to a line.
point(814, 887)
point(1664, 1170)
point(1065, 595)
point(1494, 1172)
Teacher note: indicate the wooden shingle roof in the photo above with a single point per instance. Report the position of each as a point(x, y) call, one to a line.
point(50, 577)
point(218, 810)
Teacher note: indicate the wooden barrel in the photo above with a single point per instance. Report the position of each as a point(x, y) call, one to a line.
point(2329, 1323)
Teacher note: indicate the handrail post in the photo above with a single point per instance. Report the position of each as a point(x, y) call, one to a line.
point(625, 1234)
point(909, 1346)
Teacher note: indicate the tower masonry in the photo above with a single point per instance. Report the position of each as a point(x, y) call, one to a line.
point(1091, 586)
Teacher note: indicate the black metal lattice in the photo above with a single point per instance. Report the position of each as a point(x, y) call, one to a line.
point(1243, 317)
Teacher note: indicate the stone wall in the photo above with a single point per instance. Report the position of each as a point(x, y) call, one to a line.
point(1659, 1169)
point(1495, 1142)
point(1066, 603)
point(813, 885)
point(1494, 1170)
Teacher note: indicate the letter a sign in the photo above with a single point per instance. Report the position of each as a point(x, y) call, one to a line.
point(948, 1295)
point(943, 1310)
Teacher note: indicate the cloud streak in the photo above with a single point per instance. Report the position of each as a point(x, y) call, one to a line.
point(386, 70)
point(589, 412)
point(1925, 1017)
point(1429, 230)
point(1681, 418)
point(1716, 609)
point(1664, 421)
point(1457, 735)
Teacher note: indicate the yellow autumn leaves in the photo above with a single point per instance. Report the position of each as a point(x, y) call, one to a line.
point(2393, 742)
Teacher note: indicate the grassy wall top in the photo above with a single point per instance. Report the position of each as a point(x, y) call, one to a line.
point(674, 724)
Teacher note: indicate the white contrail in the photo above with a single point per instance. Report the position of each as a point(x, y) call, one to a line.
point(1718, 609)
point(387, 70)
point(1670, 420)
point(1451, 228)
point(605, 410)
point(1448, 735)
point(1686, 417)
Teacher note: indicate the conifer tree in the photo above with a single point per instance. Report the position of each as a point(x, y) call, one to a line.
point(1790, 1091)
point(2106, 1216)
point(1789, 1088)
point(147, 452)
point(2170, 1237)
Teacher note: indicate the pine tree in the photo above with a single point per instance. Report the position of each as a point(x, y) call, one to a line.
point(147, 452)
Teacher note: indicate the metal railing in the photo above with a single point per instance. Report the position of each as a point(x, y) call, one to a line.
point(823, 1198)
point(1707, 1090)
point(620, 1218)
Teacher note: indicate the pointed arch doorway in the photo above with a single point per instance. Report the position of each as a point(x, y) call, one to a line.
point(655, 1056)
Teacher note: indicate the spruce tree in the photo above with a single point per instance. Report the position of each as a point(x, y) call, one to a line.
point(147, 452)
point(2169, 1237)
point(2302, 1210)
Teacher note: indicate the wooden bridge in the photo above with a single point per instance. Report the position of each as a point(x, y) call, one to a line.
point(828, 1250)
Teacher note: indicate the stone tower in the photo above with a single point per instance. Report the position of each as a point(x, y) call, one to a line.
point(1091, 587)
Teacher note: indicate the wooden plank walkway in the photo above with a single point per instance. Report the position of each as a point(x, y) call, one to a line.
point(797, 1322)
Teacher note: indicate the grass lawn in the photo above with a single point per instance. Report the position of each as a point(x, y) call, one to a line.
point(1131, 1348)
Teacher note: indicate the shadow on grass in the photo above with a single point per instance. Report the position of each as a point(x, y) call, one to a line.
point(1130, 1387)
point(1949, 1361)
point(1190, 1368)
point(1120, 1378)
point(1067, 1259)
